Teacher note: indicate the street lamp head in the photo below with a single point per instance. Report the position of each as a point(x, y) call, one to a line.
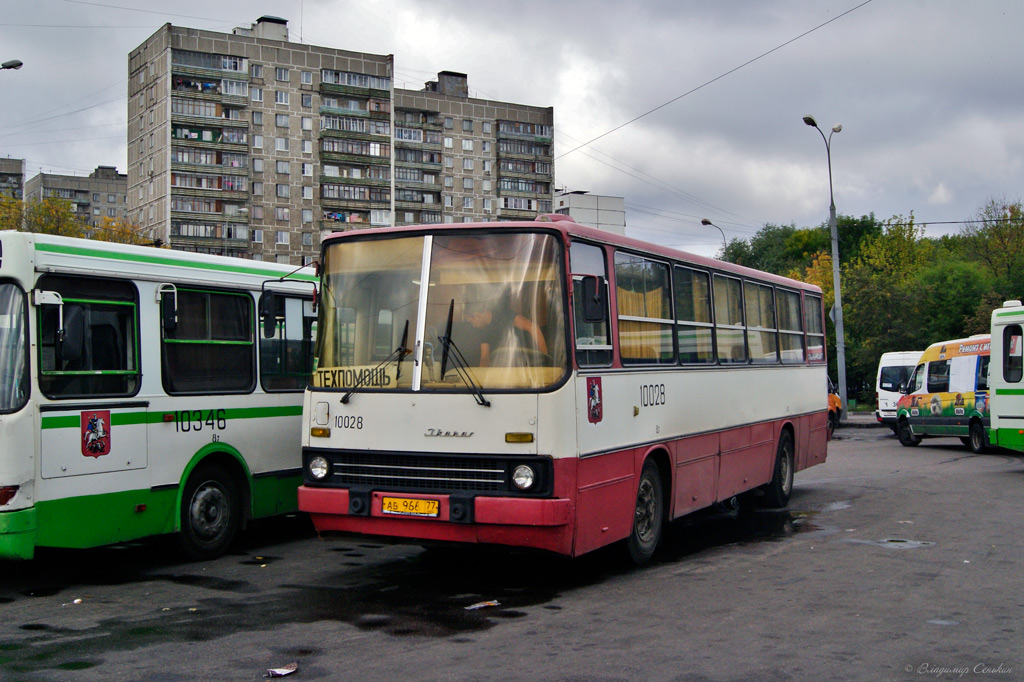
point(12, 64)
point(837, 128)
point(809, 120)
point(705, 221)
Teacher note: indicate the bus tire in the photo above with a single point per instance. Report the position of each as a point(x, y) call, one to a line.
point(210, 513)
point(778, 490)
point(648, 515)
point(978, 438)
point(905, 436)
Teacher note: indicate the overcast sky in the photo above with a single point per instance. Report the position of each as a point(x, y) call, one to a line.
point(699, 103)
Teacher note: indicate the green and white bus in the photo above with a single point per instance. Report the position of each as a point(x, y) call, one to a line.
point(146, 392)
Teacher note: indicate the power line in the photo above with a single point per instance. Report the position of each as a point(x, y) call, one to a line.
point(147, 11)
point(715, 79)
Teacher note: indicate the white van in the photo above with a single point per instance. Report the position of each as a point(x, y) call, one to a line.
point(893, 369)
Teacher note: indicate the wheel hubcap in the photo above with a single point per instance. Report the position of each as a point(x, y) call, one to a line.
point(209, 511)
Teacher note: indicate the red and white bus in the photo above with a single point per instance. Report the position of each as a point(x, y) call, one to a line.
point(549, 385)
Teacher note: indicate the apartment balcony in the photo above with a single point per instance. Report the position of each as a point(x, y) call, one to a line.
point(356, 158)
point(370, 182)
point(334, 89)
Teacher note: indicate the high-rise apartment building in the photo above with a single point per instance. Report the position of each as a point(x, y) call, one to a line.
point(247, 144)
point(103, 194)
point(12, 177)
point(593, 210)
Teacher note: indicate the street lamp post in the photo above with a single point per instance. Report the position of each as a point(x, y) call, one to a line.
point(705, 221)
point(840, 337)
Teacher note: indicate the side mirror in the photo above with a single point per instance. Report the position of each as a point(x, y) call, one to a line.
point(69, 347)
point(268, 312)
point(595, 299)
point(903, 387)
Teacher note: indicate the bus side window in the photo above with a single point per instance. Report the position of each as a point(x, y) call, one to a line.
point(938, 376)
point(286, 355)
point(916, 382)
point(593, 344)
point(1013, 354)
point(982, 379)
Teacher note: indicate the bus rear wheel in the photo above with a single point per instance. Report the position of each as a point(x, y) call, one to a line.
point(778, 490)
point(905, 435)
point(210, 513)
point(647, 516)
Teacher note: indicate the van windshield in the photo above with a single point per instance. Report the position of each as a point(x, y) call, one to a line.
point(892, 377)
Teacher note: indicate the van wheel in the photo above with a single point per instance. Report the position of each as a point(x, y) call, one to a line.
point(776, 493)
point(210, 513)
point(978, 439)
point(647, 515)
point(906, 437)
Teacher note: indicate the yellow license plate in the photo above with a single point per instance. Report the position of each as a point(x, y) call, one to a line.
point(408, 506)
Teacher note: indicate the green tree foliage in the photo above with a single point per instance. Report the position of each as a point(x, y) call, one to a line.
point(53, 216)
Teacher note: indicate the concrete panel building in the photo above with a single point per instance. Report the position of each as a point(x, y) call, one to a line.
point(249, 145)
point(12, 177)
point(101, 194)
point(594, 210)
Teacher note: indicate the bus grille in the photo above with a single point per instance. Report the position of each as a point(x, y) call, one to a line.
point(420, 472)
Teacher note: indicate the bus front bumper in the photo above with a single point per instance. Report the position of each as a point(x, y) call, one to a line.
point(521, 522)
point(18, 534)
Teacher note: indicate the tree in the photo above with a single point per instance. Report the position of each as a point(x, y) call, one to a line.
point(12, 213)
point(123, 232)
point(53, 216)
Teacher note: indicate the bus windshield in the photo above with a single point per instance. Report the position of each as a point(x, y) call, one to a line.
point(13, 353)
point(492, 307)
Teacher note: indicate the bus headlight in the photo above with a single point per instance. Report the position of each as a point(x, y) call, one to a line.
point(523, 477)
point(319, 468)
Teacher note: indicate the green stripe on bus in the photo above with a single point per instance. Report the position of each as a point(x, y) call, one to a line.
point(157, 416)
point(1010, 391)
point(166, 260)
point(1010, 314)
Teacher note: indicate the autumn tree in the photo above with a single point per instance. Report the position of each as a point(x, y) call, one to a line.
point(123, 232)
point(12, 213)
point(53, 216)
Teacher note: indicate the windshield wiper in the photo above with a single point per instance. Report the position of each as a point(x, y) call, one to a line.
point(396, 355)
point(450, 350)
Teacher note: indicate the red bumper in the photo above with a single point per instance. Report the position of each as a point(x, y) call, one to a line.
point(521, 522)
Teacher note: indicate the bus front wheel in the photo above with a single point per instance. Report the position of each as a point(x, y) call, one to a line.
point(776, 493)
point(210, 513)
point(647, 516)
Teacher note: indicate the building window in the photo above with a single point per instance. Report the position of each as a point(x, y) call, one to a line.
point(307, 217)
point(467, 164)
point(257, 165)
point(257, 71)
point(280, 97)
point(467, 184)
point(486, 127)
point(281, 213)
point(307, 169)
point(307, 192)
point(111, 198)
point(281, 144)
point(257, 236)
point(281, 237)
point(257, 118)
point(281, 74)
point(485, 185)
point(257, 213)
point(283, 168)
point(256, 94)
point(283, 191)
point(449, 181)
point(307, 146)
point(257, 142)
point(467, 125)
point(449, 143)
point(449, 201)
point(307, 77)
point(448, 123)
point(257, 189)
point(307, 123)
point(281, 120)
point(307, 101)
point(449, 162)
point(467, 202)
point(307, 237)
point(485, 146)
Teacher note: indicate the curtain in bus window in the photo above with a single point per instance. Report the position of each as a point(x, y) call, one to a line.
point(644, 310)
point(693, 316)
point(14, 379)
point(729, 320)
point(212, 349)
point(504, 295)
point(791, 329)
point(815, 328)
point(761, 323)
